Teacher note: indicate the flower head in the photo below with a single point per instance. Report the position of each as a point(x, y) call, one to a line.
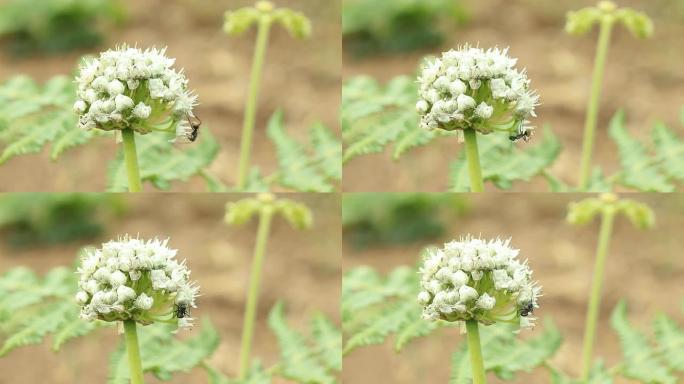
point(471, 88)
point(131, 88)
point(132, 279)
point(472, 279)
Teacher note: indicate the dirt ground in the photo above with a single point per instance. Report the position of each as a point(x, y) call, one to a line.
point(643, 77)
point(643, 267)
point(297, 75)
point(302, 268)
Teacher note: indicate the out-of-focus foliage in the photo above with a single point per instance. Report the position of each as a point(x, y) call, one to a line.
point(33, 308)
point(33, 116)
point(375, 117)
point(163, 353)
point(32, 219)
point(238, 21)
point(649, 168)
point(373, 219)
point(53, 26)
point(241, 211)
point(371, 26)
point(584, 211)
point(312, 358)
point(306, 167)
point(162, 163)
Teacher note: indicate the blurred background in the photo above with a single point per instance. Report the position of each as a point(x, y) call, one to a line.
point(643, 267)
point(385, 39)
point(302, 268)
point(47, 38)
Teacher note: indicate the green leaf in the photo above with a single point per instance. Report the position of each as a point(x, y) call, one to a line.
point(375, 117)
point(300, 362)
point(639, 169)
point(302, 168)
point(163, 354)
point(32, 309)
point(162, 162)
point(374, 308)
point(640, 361)
point(502, 162)
point(328, 339)
point(670, 338)
point(31, 117)
point(505, 354)
point(295, 23)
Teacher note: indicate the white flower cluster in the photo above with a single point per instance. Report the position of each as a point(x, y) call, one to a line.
point(475, 279)
point(130, 88)
point(471, 88)
point(133, 279)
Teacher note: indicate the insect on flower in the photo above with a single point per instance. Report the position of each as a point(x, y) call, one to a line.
point(195, 124)
point(525, 311)
point(181, 311)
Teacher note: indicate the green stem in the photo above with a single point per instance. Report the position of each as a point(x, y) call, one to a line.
point(473, 159)
point(131, 160)
point(475, 352)
point(594, 99)
point(607, 219)
point(134, 362)
point(253, 293)
point(251, 106)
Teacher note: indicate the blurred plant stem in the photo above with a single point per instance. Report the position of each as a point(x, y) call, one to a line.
point(606, 27)
point(252, 99)
point(265, 216)
point(607, 218)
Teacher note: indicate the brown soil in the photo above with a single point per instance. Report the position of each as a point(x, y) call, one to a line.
point(297, 74)
point(302, 268)
point(643, 268)
point(643, 77)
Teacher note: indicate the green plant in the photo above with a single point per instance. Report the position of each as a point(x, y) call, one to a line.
point(34, 219)
point(33, 309)
point(375, 117)
point(606, 14)
point(240, 212)
point(582, 212)
point(54, 26)
point(371, 219)
point(263, 14)
point(375, 308)
point(371, 27)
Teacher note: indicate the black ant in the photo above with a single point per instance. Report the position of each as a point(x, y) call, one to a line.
point(523, 135)
point(526, 310)
point(195, 126)
point(181, 311)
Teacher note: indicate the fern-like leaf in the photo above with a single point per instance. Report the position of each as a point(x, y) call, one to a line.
point(640, 361)
point(375, 116)
point(503, 162)
point(32, 116)
point(32, 309)
point(163, 354)
point(301, 361)
point(670, 339)
point(643, 170)
point(374, 308)
point(300, 167)
point(505, 353)
point(162, 162)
